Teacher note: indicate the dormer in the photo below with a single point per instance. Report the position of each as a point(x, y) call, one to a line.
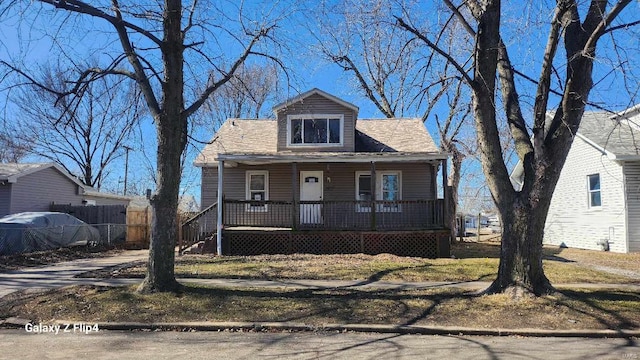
point(316, 121)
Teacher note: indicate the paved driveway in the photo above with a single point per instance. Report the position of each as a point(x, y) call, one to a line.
point(62, 274)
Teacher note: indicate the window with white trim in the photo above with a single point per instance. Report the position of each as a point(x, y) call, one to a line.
point(388, 188)
point(595, 199)
point(257, 189)
point(315, 130)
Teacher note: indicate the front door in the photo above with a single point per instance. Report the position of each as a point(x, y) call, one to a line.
point(311, 190)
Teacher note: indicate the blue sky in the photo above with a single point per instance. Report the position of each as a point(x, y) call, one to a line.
point(25, 43)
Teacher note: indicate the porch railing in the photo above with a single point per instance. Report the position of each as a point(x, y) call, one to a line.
point(198, 228)
point(336, 215)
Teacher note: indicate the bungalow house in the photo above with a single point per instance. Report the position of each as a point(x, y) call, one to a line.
point(316, 179)
point(36, 186)
point(596, 203)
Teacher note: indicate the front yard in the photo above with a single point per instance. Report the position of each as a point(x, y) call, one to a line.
point(567, 309)
point(472, 262)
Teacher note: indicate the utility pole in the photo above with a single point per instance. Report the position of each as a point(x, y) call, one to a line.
point(126, 166)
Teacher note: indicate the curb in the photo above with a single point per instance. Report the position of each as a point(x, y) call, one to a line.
point(365, 328)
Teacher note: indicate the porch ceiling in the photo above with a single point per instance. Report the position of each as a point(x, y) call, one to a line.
point(330, 157)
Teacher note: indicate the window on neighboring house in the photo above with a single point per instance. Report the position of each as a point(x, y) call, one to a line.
point(595, 199)
point(257, 184)
point(315, 130)
point(387, 189)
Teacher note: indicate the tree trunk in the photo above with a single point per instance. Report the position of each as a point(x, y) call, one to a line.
point(454, 184)
point(520, 269)
point(164, 227)
point(171, 126)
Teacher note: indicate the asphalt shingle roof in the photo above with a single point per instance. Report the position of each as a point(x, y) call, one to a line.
point(259, 137)
point(616, 136)
point(11, 169)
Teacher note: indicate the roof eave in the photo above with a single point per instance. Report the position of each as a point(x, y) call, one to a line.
point(313, 91)
point(332, 158)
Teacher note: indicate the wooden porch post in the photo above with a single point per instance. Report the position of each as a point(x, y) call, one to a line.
point(445, 193)
point(373, 195)
point(220, 223)
point(295, 190)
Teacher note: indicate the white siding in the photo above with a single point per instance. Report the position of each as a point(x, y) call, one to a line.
point(570, 221)
point(632, 177)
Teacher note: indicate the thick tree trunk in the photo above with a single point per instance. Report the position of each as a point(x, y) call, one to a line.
point(171, 125)
point(164, 228)
point(520, 268)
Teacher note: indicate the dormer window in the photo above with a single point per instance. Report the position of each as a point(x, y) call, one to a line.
point(315, 130)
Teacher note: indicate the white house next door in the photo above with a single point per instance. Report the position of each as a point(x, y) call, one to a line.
point(311, 189)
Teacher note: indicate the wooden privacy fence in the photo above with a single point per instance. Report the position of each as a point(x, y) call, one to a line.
point(138, 228)
point(102, 214)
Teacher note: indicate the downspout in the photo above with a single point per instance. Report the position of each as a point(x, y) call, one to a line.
point(625, 206)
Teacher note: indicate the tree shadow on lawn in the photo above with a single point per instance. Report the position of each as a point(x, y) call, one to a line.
point(612, 309)
point(337, 305)
point(590, 303)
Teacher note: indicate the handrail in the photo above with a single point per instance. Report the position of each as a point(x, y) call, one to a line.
point(336, 214)
point(198, 215)
point(192, 231)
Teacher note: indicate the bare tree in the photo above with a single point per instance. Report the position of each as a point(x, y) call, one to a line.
point(542, 145)
point(83, 134)
point(391, 70)
point(245, 94)
point(147, 43)
point(11, 149)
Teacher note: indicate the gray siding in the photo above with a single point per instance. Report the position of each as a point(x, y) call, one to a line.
point(316, 104)
point(36, 191)
point(416, 180)
point(632, 178)
point(570, 221)
point(5, 199)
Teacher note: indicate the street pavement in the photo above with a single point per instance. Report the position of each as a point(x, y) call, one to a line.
point(17, 344)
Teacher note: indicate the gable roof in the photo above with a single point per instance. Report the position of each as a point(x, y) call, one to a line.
point(314, 91)
point(11, 172)
point(615, 136)
point(258, 138)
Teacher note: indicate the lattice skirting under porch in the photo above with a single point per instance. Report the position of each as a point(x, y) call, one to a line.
point(429, 243)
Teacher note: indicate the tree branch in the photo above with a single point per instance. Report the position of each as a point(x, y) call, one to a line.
point(217, 84)
point(84, 8)
point(436, 48)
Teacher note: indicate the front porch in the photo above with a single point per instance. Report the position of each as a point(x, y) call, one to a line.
point(404, 227)
point(323, 203)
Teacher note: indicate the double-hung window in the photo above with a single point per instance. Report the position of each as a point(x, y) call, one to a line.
point(257, 190)
point(315, 130)
point(595, 199)
point(388, 189)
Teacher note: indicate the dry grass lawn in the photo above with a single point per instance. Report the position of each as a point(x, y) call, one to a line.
point(472, 262)
point(566, 310)
point(569, 309)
